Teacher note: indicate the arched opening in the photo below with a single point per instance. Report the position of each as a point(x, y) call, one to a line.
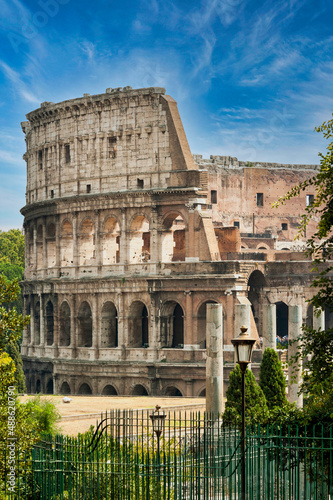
point(173, 238)
point(173, 392)
point(328, 318)
point(111, 242)
point(40, 247)
point(49, 387)
point(65, 325)
point(38, 386)
point(37, 324)
point(201, 323)
point(109, 327)
point(51, 245)
point(138, 325)
point(109, 390)
point(139, 245)
point(65, 389)
point(172, 325)
point(85, 389)
point(86, 242)
point(256, 283)
point(49, 323)
point(66, 244)
point(202, 393)
point(85, 325)
point(282, 318)
point(139, 390)
point(28, 328)
point(309, 316)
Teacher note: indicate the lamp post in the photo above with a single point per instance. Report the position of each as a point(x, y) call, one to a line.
point(243, 345)
point(158, 420)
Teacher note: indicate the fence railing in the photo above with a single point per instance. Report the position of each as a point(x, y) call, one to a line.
point(196, 458)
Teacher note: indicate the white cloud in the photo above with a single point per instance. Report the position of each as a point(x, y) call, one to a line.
point(18, 85)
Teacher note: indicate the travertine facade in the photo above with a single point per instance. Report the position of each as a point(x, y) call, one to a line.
point(128, 237)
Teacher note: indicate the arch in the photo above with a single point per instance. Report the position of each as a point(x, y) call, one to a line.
point(172, 325)
point(328, 318)
point(139, 244)
point(173, 238)
point(38, 386)
point(49, 386)
point(111, 242)
point(109, 325)
point(256, 282)
point(202, 393)
point(109, 390)
point(173, 391)
point(139, 390)
point(201, 322)
point(51, 230)
point(86, 243)
point(66, 244)
point(37, 324)
point(65, 388)
point(138, 325)
point(282, 318)
point(85, 325)
point(65, 324)
point(49, 323)
point(262, 246)
point(85, 389)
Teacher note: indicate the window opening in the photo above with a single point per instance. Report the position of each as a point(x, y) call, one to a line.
point(88, 188)
point(284, 226)
point(309, 200)
point(260, 199)
point(40, 159)
point(67, 153)
point(236, 223)
point(213, 196)
point(140, 183)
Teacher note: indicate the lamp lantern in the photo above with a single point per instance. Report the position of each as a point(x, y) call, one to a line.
point(158, 420)
point(243, 345)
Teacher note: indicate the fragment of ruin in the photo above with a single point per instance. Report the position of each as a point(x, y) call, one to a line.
point(128, 238)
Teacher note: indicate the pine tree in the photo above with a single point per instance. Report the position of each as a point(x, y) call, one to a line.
point(254, 397)
point(271, 379)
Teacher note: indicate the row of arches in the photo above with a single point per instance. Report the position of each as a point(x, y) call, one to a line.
point(83, 242)
point(137, 390)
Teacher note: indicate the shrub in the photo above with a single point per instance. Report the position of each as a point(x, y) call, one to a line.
point(271, 379)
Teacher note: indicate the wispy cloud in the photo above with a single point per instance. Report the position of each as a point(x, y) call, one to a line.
point(18, 85)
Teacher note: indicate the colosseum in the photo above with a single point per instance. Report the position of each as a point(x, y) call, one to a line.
point(129, 236)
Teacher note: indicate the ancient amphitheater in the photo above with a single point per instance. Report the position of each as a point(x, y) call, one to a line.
point(129, 236)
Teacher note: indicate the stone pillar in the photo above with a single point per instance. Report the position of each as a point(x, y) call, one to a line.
point(121, 320)
point(35, 248)
point(44, 248)
point(319, 321)
point(76, 249)
point(242, 317)
point(154, 237)
point(42, 321)
point(124, 236)
point(98, 241)
point(96, 324)
point(188, 337)
point(190, 240)
point(294, 329)
point(58, 229)
point(73, 342)
point(214, 361)
point(269, 326)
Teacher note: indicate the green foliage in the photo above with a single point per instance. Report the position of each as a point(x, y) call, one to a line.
point(12, 247)
point(255, 401)
point(271, 379)
point(43, 412)
point(11, 323)
point(13, 349)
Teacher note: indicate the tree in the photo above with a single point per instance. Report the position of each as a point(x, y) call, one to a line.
point(255, 401)
point(318, 377)
point(11, 322)
point(271, 379)
point(12, 247)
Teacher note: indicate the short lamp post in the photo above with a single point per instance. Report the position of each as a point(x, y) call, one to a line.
point(158, 420)
point(243, 345)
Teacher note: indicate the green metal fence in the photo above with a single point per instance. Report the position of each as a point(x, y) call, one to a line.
point(196, 458)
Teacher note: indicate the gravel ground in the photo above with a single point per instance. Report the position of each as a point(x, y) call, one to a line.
point(84, 411)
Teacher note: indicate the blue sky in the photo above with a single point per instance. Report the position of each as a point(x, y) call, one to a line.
point(252, 78)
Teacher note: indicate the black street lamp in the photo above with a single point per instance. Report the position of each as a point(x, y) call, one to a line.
point(243, 345)
point(158, 420)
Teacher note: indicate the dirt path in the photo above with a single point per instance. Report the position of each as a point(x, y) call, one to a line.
point(84, 411)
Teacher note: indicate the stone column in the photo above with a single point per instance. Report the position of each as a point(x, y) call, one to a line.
point(214, 361)
point(98, 241)
point(44, 248)
point(188, 337)
point(242, 317)
point(124, 235)
point(154, 246)
point(35, 248)
point(76, 249)
point(96, 324)
point(121, 320)
point(73, 342)
point(58, 229)
point(319, 321)
point(294, 328)
point(269, 326)
point(190, 234)
point(42, 321)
